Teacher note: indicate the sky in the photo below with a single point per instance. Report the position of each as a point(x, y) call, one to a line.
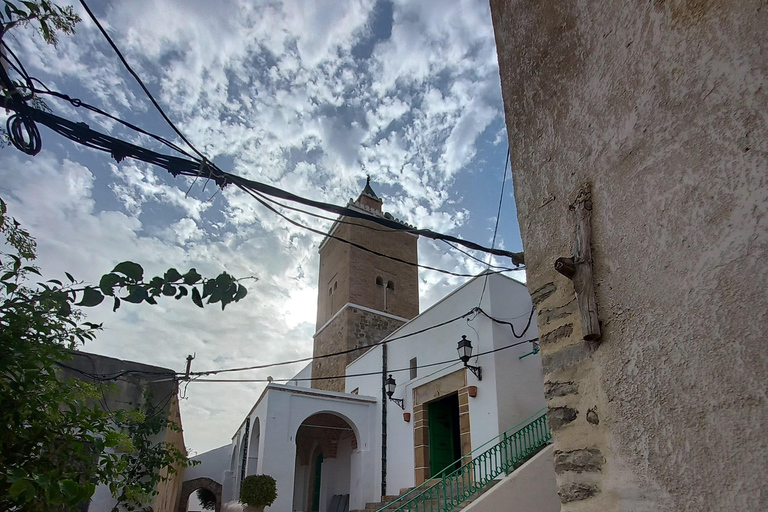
point(309, 96)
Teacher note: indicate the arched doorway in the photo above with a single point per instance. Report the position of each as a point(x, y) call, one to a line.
point(191, 486)
point(253, 449)
point(324, 446)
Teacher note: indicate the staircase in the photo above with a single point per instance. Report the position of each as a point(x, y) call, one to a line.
point(452, 491)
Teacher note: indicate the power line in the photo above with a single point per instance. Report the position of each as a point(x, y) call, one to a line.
point(496, 227)
point(340, 220)
point(120, 149)
point(382, 342)
point(138, 79)
point(260, 199)
point(450, 362)
point(334, 354)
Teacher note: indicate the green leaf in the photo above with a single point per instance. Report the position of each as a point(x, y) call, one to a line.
point(111, 439)
point(65, 309)
point(136, 294)
point(91, 297)
point(169, 290)
point(208, 287)
point(172, 275)
point(151, 300)
point(108, 283)
point(117, 305)
point(131, 270)
point(196, 298)
point(192, 277)
point(19, 487)
point(241, 293)
point(69, 276)
point(182, 292)
point(70, 490)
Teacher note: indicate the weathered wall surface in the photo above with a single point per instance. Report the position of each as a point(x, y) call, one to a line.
point(663, 108)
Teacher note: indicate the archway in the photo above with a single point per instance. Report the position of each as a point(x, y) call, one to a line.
point(190, 486)
point(324, 445)
point(253, 448)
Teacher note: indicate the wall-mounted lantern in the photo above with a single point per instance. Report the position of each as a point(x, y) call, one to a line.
point(391, 384)
point(465, 353)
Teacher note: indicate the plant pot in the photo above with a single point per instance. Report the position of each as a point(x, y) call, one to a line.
point(472, 391)
point(407, 417)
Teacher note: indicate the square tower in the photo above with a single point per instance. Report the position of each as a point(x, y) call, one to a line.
point(362, 296)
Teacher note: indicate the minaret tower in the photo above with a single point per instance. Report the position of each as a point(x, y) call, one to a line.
point(362, 297)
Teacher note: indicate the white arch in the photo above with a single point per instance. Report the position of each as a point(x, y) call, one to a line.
point(355, 429)
point(254, 443)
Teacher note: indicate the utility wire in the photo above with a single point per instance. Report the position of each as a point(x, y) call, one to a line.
point(261, 200)
point(120, 149)
point(450, 362)
point(473, 311)
point(334, 354)
point(197, 375)
point(496, 226)
point(340, 220)
point(138, 79)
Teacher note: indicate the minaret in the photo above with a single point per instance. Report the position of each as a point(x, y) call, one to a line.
point(362, 297)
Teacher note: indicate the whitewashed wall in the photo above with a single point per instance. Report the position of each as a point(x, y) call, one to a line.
point(511, 389)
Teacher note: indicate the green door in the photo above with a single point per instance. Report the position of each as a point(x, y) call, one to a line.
point(318, 480)
point(443, 433)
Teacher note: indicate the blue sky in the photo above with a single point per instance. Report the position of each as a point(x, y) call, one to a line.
point(308, 96)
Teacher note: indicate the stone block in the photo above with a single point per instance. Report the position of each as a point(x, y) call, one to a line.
point(558, 417)
point(576, 492)
point(579, 461)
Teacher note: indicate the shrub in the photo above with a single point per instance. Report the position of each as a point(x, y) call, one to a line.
point(207, 499)
point(258, 490)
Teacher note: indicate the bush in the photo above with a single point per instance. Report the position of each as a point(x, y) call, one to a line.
point(207, 499)
point(258, 490)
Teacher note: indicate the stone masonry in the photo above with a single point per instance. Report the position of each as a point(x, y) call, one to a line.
point(661, 107)
point(350, 277)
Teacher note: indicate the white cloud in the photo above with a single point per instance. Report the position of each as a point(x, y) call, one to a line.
point(271, 91)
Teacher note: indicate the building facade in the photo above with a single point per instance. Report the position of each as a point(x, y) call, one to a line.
point(338, 443)
point(368, 286)
point(659, 109)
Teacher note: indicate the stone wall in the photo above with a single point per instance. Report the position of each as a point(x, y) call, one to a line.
point(332, 339)
point(352, 328)
point(662, 108)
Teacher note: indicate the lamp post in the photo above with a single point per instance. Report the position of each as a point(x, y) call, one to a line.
point(391, 384)
point(465, 353)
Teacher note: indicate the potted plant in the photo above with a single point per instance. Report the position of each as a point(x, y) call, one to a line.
point(257, 492)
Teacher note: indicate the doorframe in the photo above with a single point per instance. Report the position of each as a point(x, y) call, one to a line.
point(455, 382)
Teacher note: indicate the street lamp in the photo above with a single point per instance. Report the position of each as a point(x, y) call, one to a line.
point(465, 353)
point(391, 384)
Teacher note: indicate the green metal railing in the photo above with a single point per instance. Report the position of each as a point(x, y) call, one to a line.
point(446, 490)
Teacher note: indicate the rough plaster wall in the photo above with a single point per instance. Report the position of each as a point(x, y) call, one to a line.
point(663, 108)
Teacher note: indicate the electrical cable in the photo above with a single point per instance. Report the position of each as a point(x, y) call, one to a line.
point(474, 311)
point(120, 149)
point(22, 130)
point(496, 226)
point(197, 375)
point(504, 322)
point(258, 198)
point(450, 362)
point(334, 354)
point(384, 230)
point(138, 79)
